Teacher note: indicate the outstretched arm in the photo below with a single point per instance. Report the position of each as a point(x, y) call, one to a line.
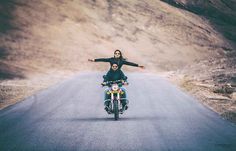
point(100, 60)
point(133, 64)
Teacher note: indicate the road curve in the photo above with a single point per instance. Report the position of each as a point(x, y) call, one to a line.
point(70, 116)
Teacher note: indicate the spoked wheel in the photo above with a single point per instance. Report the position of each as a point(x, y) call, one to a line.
point(116, 110)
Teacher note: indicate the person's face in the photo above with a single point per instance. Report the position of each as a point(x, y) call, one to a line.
point(114, 67)
point(117, 54)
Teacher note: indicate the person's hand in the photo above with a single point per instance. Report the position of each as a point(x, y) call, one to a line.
point(103, 84)
point(124, 82)
point(91, 60)
point(142, 67)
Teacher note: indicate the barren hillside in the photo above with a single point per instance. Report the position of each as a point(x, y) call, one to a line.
point(42, 42)
point(213, 81)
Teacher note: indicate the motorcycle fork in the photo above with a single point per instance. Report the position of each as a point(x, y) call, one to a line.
point(117, 98)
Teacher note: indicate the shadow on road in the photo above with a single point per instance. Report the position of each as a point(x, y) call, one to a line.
point(107, 119)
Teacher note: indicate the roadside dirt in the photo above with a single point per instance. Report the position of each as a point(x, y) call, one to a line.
point(211, 83)
point(15, 90)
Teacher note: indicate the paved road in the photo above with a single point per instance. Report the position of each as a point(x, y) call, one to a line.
point(70, 116)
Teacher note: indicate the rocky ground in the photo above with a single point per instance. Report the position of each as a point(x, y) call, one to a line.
point(212, 83)
point(44, 42)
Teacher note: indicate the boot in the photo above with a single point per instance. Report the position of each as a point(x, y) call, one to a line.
point(107, 108)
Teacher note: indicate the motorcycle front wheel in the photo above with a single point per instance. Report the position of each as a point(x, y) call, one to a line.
point(116, 110)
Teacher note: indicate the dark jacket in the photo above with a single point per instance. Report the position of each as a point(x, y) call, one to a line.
point(119, 62)
point(114, 75)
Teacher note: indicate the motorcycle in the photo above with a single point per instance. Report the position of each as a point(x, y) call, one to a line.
point(115, 92)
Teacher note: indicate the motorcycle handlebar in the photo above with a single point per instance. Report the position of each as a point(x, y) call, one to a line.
point(113, 82)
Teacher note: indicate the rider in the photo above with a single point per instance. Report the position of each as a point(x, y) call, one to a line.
point(115, 74)
point(118, 59)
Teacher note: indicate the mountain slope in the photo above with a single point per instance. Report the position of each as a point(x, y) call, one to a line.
point(56, 32)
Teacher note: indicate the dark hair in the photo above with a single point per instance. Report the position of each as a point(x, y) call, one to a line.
point(115, 64)
point(121, 57)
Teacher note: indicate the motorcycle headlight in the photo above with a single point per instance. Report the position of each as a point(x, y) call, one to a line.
point(115, 87)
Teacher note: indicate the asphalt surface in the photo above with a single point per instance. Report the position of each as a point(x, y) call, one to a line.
point(70, 116)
